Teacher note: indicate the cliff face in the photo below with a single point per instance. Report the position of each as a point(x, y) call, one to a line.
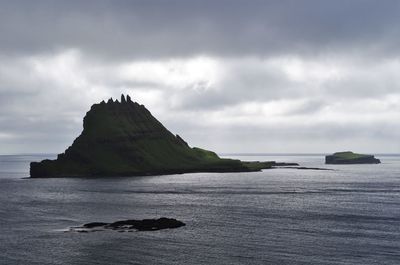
point(124, 139)
point(350, 158)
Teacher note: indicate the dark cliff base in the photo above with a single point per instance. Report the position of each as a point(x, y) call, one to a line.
point(350, 158)
point(124, 139)
point(38, 173)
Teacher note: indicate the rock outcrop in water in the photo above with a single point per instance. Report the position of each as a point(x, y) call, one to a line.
point(130, 225)
point(124, 139)
point(350, 158)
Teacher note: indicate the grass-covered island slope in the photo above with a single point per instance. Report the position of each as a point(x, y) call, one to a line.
point(124, 139)
point(350, 158)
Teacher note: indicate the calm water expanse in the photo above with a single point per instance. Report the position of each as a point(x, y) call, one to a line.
point(279, 216)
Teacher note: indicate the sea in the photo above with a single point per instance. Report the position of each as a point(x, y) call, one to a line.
point(349, 215)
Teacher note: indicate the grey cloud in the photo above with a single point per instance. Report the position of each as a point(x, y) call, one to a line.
point(310, 106)
point(246, 82)
point(319, 137)
point(254, 82)
point(152, 29)
point(40, 114)
point(37, 134)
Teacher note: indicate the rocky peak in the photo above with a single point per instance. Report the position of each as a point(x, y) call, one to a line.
point(125, 139)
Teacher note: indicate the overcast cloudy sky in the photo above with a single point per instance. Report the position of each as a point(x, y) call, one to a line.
point(232, 76)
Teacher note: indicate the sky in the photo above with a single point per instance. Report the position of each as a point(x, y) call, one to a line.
point(283, 76)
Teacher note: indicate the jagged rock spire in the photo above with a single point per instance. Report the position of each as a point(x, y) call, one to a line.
point(124, 99)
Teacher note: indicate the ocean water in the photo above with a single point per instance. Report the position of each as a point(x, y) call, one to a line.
point(280, 216)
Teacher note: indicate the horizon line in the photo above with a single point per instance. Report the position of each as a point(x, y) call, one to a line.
point(228, 154)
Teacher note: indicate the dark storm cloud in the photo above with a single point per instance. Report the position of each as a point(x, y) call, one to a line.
point(151, 29)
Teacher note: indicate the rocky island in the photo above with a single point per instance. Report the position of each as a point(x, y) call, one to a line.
point(350, 158)
point(130, 225)
point(122, 138)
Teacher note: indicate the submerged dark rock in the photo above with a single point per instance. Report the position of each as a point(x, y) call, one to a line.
point(129, 225)
point(283, 164)
point(310, 168)
point(350, 158)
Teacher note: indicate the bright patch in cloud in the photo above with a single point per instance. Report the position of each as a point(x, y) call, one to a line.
point(282, 97)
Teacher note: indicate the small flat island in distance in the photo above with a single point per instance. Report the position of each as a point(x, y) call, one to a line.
point(122, 138)
point(350, 158)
